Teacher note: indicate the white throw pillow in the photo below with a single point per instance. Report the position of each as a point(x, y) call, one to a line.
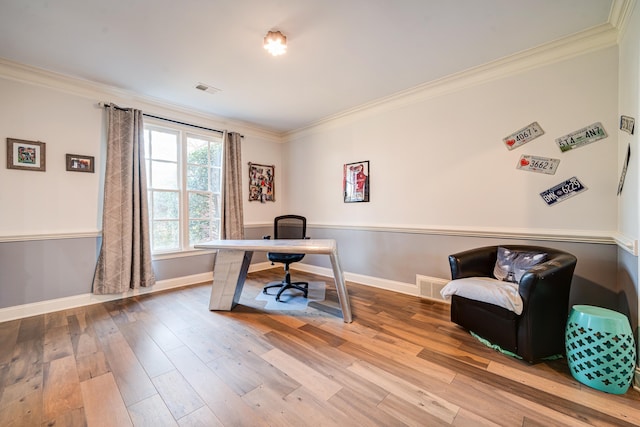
point(486, 289)
point(511, 265)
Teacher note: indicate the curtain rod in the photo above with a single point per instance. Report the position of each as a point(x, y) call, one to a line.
point(106, 105)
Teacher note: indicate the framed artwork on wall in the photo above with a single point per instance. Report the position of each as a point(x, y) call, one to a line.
point(261, 183)
point(78, 163)
point(355, 182)
point(26, 155)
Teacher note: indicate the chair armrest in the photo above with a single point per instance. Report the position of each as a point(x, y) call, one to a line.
point(266, 237)
point(473, 263)
point(545, 291)
point(546, 281)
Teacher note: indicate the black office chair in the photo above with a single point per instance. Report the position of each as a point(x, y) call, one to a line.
point(288, 227)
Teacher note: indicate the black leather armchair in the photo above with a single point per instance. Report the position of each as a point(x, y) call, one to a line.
point(536, 333)
point(287, 227)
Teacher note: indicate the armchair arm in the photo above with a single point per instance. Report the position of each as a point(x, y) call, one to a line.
point(473, 263)
point(545, 290)
point(554, 275)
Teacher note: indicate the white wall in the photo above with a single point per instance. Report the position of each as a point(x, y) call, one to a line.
point(628, 100)
point(55, 201)
point(628, 217)
point(61, 202)
point(264, 153)
point(441, 162)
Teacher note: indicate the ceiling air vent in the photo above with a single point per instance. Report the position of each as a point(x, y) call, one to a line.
point(207, 88)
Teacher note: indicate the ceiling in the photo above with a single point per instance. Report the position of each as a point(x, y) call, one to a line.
point(341, 53)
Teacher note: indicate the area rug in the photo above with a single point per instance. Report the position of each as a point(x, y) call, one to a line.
point(293, 299)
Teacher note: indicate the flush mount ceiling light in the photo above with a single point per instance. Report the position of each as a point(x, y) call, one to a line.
point(275, 42)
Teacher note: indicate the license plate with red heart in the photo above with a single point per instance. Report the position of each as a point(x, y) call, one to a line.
point(538, 164)
point(523, 136)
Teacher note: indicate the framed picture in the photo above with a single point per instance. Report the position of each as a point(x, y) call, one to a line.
point(261, 183)
point(26, 155)
point(78, 163)
point(355, 182)
point(627, 124)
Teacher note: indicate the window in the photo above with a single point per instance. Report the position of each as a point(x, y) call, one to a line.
point(184, 180)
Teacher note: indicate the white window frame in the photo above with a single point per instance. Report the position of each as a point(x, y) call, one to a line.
point(183, 133)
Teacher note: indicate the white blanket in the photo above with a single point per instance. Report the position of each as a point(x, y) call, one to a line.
point(486, 289)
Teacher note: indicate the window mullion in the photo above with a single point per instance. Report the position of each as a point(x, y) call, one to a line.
point(184, 193)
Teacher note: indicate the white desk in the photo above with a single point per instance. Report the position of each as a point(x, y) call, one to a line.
point(234, 256)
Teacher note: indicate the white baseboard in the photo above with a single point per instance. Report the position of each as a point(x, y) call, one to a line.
point(42, 307)
point(376, 282)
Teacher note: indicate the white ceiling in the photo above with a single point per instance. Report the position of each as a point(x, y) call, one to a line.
point(341, 53)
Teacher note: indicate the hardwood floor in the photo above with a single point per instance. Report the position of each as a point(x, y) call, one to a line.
point(164, 359)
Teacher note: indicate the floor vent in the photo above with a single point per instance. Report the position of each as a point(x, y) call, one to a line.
point(430, 287)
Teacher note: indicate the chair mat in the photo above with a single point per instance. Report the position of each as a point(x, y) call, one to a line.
point(292, 299)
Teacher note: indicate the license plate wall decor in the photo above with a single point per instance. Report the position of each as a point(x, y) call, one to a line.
point(584, 136)
point(522, 136)
point(562, 191)
point(627, 124)
point(538, 164)
point(625, 165)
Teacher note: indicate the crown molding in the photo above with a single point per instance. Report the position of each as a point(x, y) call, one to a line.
point(104, 93)
point(619, 15)
point(591, 40)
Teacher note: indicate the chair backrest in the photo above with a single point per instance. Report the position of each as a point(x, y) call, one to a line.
point(290, 227)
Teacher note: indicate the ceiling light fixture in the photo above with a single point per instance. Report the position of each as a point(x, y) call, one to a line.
point(275, 42)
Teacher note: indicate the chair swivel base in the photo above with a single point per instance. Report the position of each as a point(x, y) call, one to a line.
point(301, 286)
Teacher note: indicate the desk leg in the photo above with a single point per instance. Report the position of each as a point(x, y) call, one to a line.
point(343, 297)
point(229, 273)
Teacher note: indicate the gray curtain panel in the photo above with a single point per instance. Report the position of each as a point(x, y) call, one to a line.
point(125, 256)
point(232, 214)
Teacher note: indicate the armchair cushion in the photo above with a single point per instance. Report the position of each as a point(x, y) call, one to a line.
point(486, 289)
point(512, 264)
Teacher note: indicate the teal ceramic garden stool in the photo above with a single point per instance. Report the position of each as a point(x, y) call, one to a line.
point(600, 348)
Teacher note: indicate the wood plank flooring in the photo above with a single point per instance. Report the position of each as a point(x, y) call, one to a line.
point(164, 359)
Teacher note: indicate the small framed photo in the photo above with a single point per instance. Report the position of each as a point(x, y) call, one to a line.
point(78, 163)
point(627, 124)
point(355, 182)
point(26, 155)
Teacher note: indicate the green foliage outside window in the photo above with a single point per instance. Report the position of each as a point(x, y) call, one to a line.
point(199, 193)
